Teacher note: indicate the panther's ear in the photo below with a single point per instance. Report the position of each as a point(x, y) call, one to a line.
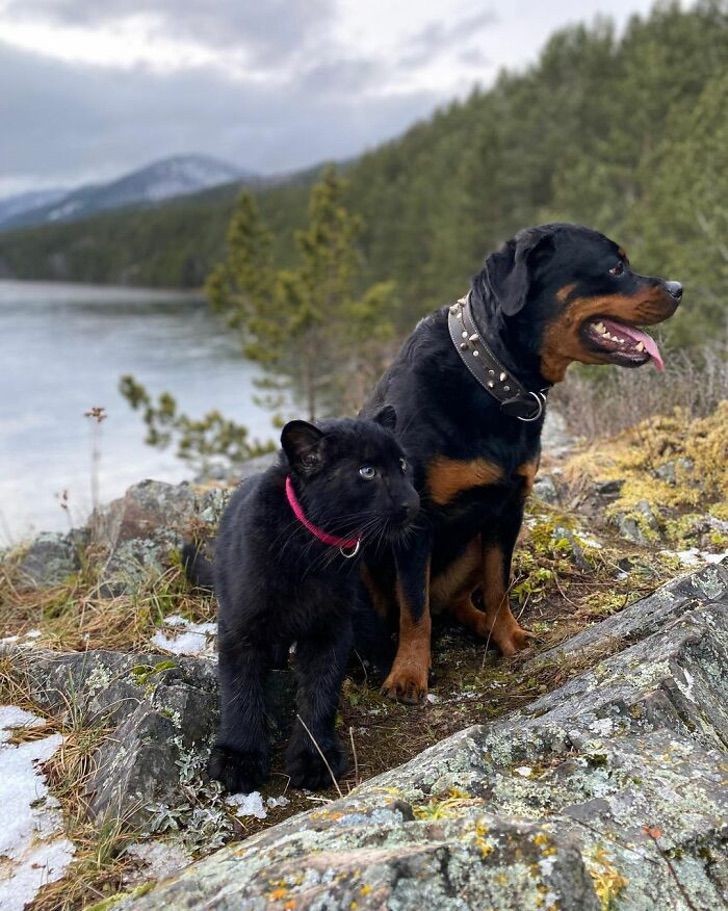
point(301, 444)
point(508, 272)
point(387, 417)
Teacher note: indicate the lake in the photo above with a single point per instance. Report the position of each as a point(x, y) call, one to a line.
point(63, 348)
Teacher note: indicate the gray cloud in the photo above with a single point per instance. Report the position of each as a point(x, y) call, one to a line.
point(269, 30)
point(63, 123)
point(438, 37)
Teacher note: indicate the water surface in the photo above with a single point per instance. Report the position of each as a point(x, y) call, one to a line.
point(63, 348)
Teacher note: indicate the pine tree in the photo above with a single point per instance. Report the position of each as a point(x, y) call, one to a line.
point(306, 326)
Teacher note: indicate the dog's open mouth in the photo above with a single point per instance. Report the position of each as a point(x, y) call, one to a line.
point(622, 344)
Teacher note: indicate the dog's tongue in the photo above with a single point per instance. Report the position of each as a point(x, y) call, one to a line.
point(650, 344)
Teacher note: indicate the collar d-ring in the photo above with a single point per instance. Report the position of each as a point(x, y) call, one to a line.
point(540, 401)
point(347, 555)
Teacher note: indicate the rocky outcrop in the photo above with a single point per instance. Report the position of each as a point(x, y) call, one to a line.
point(140, 529)
point(159, 714)
point(608, 792)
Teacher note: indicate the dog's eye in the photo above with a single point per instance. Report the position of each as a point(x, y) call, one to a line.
point(403, 465)
point(367, 472)
point(617, 269)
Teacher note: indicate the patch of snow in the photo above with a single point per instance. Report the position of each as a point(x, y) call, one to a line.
point(30, 634)
point(162, 859)
point(247, 804)
point(525, 771)
point(185, 638)
point(32, 844)
point(175, 620)
point(432, 698)
point(274, 802)
point(693, 556)
point(64, 210)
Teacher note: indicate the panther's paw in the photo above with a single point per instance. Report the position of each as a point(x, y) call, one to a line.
point(236, 770)
point(308, 770)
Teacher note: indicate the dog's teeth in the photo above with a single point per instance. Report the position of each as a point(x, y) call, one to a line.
point(640, 346)
point(600, 327)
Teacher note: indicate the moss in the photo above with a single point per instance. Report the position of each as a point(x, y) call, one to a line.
point(672, 470)
point(108, 903)
point(609, 883)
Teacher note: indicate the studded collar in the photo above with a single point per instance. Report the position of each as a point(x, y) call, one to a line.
point(514, 399)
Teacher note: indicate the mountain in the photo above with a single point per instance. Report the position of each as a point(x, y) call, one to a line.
point(605, 129)
point(161, 180)
point(19, 203)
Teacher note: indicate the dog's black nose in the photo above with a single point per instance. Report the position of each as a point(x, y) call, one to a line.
point(675, 289)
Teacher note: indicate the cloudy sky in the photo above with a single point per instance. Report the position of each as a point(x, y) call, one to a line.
point(93, 88)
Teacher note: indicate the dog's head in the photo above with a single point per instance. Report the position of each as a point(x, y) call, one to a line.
point(567, 293)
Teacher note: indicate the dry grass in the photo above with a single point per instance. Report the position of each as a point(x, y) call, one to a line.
point(77, 616)
point(598, 403)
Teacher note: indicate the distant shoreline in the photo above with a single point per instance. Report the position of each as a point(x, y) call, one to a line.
point(122, 290)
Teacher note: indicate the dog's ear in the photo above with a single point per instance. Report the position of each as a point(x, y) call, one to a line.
point(301, 444)
point(387, 417)
point(508, 272)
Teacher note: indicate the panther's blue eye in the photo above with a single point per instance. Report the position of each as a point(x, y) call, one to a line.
point(403, 465)
point(367, 472)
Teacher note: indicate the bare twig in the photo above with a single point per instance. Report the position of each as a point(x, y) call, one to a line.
point(356, 758)
point(321, 754)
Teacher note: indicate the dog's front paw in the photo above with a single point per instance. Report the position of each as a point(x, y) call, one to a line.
point(406, 683)
point(238, 771)
point(516, 640)
point(308, 770)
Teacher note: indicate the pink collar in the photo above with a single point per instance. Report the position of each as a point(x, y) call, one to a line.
point(350, 544)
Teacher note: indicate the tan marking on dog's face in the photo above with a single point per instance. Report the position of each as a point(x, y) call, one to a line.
point(562, 343)
point(563, 293)
point(446, 478)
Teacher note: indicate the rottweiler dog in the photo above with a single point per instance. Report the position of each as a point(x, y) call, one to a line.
point(469, 386)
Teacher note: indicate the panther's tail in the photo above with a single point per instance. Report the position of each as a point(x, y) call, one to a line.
point(198, 568)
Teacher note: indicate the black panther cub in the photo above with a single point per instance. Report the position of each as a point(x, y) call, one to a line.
point(283, 572)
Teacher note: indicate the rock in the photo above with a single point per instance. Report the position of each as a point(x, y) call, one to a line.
point(555, 439)
point(545, 489)
point(609, 489)
point(641, 528)
point(608, 792)
point(162, 712)
point(50, 559)
point(668, 470)
point(142, 528)
point(644, 617)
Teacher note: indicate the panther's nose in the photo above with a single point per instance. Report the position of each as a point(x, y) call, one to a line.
point(407, 509)
point(675, 289)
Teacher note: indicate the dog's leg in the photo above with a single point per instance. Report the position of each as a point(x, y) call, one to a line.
point(240, 757)
point(407, 681)
point(500, 625)
point(453, 587)
point(320, 663)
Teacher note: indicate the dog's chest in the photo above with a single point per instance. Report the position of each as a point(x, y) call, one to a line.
point(452, 484)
